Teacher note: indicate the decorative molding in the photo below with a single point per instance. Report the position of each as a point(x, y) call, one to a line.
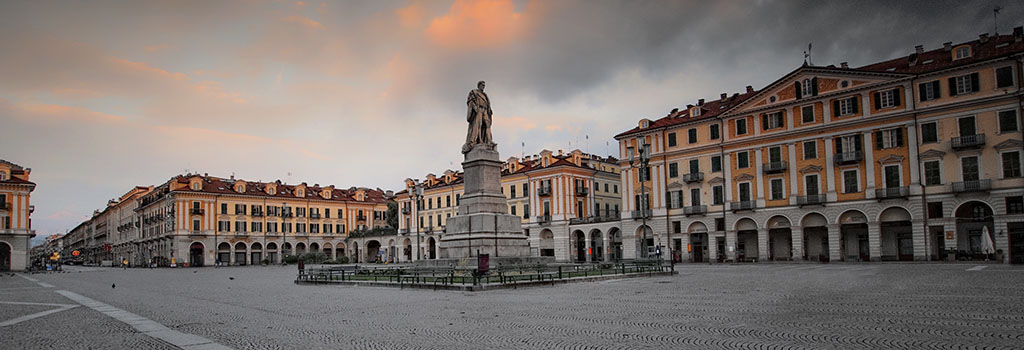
point(1010, 144)
point(675, 184)
point(810, 169)
point(892, 158)
point(744, 177)
point(716, 180)
point(933, 154)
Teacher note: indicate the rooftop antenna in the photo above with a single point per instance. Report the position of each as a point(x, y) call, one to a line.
point(995, 19)
point(523, 150)
point(807, 56)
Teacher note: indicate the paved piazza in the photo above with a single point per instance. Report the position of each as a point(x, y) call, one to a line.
point(792, 306)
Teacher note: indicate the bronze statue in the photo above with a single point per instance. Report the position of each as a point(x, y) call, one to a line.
point(478, 114)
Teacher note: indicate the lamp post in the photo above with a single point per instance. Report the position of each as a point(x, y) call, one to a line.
point(643, 204)
point(415, 194)
point(284, 235)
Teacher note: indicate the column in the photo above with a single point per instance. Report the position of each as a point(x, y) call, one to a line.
point(759, 195)
point(589, 247)
point(830, 182)
point(607, 246)
point(797, 237)
point(762, 246)
point(875, 240)
point(915, 175)
point(713, 247)
point(727, 183)
point(835, 243)
point(922, 244)
point(869, 166)
point(730, 245)
point(793, 173)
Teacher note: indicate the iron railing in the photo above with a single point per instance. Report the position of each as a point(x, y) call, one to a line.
point(968, 141)
point(811, 199)
point(892, 192)
point(775, 167)
point(693, 177)
point(743, 205)
point(849, 157)
point(972, 186)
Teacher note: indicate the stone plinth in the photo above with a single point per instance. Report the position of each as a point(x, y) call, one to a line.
point(483, 225)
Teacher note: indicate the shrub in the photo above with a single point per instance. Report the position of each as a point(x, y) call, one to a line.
point(291, 259)
point(314, 257)
point(342, 260)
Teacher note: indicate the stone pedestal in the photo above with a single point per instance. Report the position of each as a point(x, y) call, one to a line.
point(483, 225)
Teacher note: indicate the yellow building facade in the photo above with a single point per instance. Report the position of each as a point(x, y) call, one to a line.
point(915, 158)
point(15, 216)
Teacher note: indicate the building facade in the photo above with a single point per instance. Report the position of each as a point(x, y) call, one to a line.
point(915, 158)
point(15, 216)
point(568, 202)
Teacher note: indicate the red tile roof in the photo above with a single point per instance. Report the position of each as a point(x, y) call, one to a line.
point(226, 186)
point(709, 109)
point(939, 59)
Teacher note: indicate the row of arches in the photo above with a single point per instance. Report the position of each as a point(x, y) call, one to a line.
point(396, 250)
point(592, 246)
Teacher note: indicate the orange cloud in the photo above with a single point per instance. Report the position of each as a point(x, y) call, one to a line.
point(145, 68)
point(305, 21)
point(410, 16)
point(552, 127)
point(514, 123)
point(155, 48)
point(476, 24)
point(76, 92)
point(68, 113)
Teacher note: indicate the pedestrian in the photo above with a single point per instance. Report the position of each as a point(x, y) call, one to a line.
point(302, 267)
point(124, 263)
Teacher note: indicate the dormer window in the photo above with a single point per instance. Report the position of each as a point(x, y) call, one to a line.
point(300, 193)
point(271, 190)
point(962, 52)
point(239, 188)
point(3, 176)
point(326, 194)
point(645, 123)
point(196, 186)
point(695, 112)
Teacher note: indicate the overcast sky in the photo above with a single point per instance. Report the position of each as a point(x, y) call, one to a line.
point(100, 96)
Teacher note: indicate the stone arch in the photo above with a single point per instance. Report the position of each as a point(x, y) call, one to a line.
point(256, 253)
point(852, 216)
point(745, 223)
point(372, 250)
point(547, 243)
point(615, 238)
point(196, 253)
point(697, 227)
point(814, 219)
point(778, 221)
point(300, 248)
point(314, 247)
point(597, 246)
point(241, 253)
point(894, 213)
point(896, 234)
point(224, 253)
point(973, 219)
point(579, 246)
point(272, 253)
point(328, 250)
point(431, 248)
point(6, 251)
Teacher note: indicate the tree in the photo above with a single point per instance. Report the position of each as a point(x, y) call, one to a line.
point(392, 216)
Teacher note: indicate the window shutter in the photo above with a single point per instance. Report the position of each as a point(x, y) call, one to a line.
point(799, 93)
point(878, 100)
point(935, 89)
point(814, 86)
point(839, 144)
point(764, 122)
point(782, 119)
point(856, 103)
point(952, 86)
point(896, 97)
point(669, 196)
point(680, 198)
point(835, 108)
point(899, 137)
point(879, 143)
point(921, 90)
point(858, 143)
point(975, 86)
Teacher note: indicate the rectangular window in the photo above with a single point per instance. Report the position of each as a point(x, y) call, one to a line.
point(1008, 121)
point(807, 114)
point(773, 121)
point(744, 189)
point(1011, 164)
point(777, 190)
point(195, 225)
point(716, 163)
point(741, 126)
point(934, 210)
point(847, 106)
point(892, 176)
point(224, 208)
point(851, 182)
point(672, 139)
point(967, 126)
point(673, 170)
point(512, 192)
point(775, 154)
point(717, 195)
point(1004, 77)
point(929, 132)
point(694, 166)
point(526, 211)
point(675, 199)
point(963, 84)
point(811, 184)
point(714, 131)
point(969, 168)
point(616, 188)
point(929, 91)
point(932, 173)
point(719, 224)
point(694, 196)
point(1015, 205)
point(691, 135)
point(891, 138)
point(742, 160)
point(887, 99)
point(810, 149)
point(512, 210)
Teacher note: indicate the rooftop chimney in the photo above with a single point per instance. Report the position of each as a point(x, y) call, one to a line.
point(844, 65)
point(723, 96)
point(919, 49)
point(948, 46)
point(1018, 33)
point(750, 89)
point(689, 106)
point(983, 38)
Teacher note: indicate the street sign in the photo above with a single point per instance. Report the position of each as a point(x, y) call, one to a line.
point(55, 256)
point(75, 253)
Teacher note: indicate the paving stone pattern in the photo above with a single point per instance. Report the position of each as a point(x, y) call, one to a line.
point(763, 306)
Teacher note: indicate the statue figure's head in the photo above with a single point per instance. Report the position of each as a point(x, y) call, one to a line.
point(480, 85)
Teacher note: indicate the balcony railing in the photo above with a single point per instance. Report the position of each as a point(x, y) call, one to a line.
point(972, 186)
point(693, 177)
point(775, 167)
point(968, 141)
point(3, 205)
point(242, 233)
point(197, 211)
point(743, 205)
point(639, 214)
point(811, 199)
point(695, 210)
point(361, 218)
point(892, 192)
point(314, 216)
point(544, 191)
point(257, 214)
point(406, 211)
point(582, 191)
point(544, 218)
point(287, 215)
point(403, 231)
point(849, 157)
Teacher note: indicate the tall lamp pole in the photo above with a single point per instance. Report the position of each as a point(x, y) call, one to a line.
point(643, 203)
point(414, 196)
point(284, 235)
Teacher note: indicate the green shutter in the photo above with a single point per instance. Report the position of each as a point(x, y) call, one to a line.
point(764, 121)
point(814, 86)
point(878, 100)
point(975, 86)
point(935, 89)
point(839, 145)
point(896, 97)
point(835, 108)
point(921, 91)
point(899, 137)
point(856, 103)
point(879, 143)
point(952, 86)
point(799, 93)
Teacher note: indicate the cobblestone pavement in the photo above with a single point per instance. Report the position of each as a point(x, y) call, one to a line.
point(766, 306)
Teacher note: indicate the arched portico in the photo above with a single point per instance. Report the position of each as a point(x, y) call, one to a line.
point(780, 238)
point(815, 230)
point(224, 253)
point(547, 243)
point(853, 233)
point(896, 234)
point(974, 228)
point(698, 242)
point(373, 251)
point(431, 248)
point(580, 246)
point(329, 250)
point(195, 254)
point(272, 254)
point(240, 254)
point(746, 240)
point(597, 248)
point(256, 253)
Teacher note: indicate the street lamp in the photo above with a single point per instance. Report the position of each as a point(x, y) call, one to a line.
point(284, 235)
point(643, 203)
point(415, 194)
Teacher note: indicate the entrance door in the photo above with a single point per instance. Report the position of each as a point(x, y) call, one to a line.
point(697, 251)
point(864, 247)
point(720, 243)
point(195, 256)
point(1016, 230)
point(581, 249)
point(905, 246)
point(5, 257)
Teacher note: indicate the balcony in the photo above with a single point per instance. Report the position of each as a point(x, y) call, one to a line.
point(197, 211)
point(242, 234)
point(811, 199)
point(849, 157)
point(743, 205)
point(544, 219)
point(314, 216)
point(775, 167)
point(582, 191)
point(403, 231)
point(972, 186)
point(641, 214)
point(544, 191)
point(967, 141)
point(594, 219)
point(406, 210)
point(287, 215)
point(892, 192)
point(695, 210)
point(3, 205)
point(693, 177)
point(257, 214)
point(361, 218)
